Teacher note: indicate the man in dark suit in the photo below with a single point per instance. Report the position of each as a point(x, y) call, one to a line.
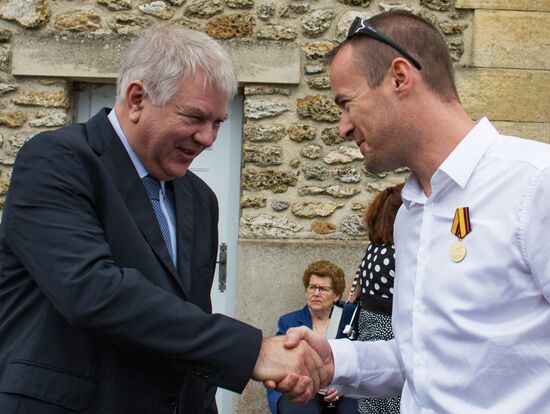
point(108, 247)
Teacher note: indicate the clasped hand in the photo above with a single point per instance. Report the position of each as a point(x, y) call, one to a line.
point(297, 364)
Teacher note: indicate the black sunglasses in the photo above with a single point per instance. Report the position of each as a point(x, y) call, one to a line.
point(360, 26)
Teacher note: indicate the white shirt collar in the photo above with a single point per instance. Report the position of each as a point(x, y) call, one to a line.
point(458, 166)
point(142, 172)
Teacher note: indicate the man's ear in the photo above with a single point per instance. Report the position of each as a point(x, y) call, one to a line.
point(401, 75)
point(135, 97)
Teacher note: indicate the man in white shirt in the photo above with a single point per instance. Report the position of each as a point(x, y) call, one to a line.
point(471, 312)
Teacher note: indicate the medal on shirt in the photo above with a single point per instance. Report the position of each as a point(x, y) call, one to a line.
point(460, 228)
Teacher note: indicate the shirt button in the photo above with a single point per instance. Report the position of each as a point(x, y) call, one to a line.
point(418, 307)
point(429, 206)
point(421, 255)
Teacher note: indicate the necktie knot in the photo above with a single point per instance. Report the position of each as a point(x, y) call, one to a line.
point(152, 186)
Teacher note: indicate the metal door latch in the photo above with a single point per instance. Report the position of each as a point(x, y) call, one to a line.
point(222, 269)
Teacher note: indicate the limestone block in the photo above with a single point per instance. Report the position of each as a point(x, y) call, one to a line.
point(267, 226)
point(301, 132)
point(505, 94)
point(376, 187)
point(318, 49)
point(533, 5)
point(439, 5)
point(230, 26)
point(358, 206)
point(316, 172)
point(204, 8)
point(276, 32)
point(29, 14)
point(7, 87)
point(313, 68)
point(453, 28)
point(330, 136)
point(13, 119)
point(318, 108)
point(343, 155)
point(335, 191)
point(275, 180)
point(506, 39)
point(347, 174)
point(338, 191)
point(5, 57)
point(5, 35)
point(278, 205)
point(318, 82)
point(54, 99)
point(456, 49)
point(265, 90)
point(263, 155)
point(79, 21)
point(253, 202)
point(116, 5)
point(311, 151)
point(49, 119)
point(157, 8)
point(323, 227)
point(293, 10)
point(309, 209)
point(295, 163)
point(255, 108)
point(264, 133)
point(128, 23)
point(317, 22)
point(353, 226)
point(16, 141)
point(390, 6)
point(176, 2)
point(361, 3)
point(266, 11)
point(240, 4)
point(539, 131)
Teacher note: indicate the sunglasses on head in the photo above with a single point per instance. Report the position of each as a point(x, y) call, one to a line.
point(360, 26)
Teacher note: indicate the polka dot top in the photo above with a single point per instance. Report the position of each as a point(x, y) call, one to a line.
point(375, 275)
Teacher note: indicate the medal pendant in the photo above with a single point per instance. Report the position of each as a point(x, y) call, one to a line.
point(458, 251)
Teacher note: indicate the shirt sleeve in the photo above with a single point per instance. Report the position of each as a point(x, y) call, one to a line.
point(367, 369)
point(534, 236)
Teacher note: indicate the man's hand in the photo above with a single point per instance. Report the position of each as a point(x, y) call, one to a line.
point(294, 370)
point(292, 388)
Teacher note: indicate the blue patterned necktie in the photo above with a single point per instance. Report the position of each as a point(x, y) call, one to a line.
point(153, 189)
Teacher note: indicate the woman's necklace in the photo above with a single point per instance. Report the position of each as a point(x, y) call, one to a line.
point(321, 329)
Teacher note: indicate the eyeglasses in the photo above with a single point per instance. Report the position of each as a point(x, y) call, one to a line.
point(360, 26)
point(323, 290)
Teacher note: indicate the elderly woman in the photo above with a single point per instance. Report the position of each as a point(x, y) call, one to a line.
point(324, 284)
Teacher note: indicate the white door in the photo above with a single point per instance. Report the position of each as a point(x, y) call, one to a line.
point(219, 167)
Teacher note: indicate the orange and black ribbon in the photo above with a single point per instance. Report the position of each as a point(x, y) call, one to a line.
point(461, 223)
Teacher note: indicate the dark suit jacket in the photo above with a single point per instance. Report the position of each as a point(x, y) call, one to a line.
point(93, 316)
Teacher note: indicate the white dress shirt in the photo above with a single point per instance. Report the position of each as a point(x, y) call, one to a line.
point(474, 336)
point(166, 204)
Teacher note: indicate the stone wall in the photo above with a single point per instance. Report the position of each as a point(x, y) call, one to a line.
point(302, 188)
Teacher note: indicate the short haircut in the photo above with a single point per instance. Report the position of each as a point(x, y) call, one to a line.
point(325, 268)
point(418, 37)
point(380, 215)
point(162, 56)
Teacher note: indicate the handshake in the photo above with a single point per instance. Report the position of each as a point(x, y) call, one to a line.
point(297, 364)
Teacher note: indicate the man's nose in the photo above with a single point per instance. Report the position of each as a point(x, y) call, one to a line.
point(345, 127)
point(206, 135)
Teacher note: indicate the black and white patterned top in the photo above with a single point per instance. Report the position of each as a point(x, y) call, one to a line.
point(375, 275)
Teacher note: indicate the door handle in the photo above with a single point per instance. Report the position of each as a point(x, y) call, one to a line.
point(222, 269)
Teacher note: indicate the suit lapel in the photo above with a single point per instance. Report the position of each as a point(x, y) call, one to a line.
point(105, 142)
point(183, 197)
